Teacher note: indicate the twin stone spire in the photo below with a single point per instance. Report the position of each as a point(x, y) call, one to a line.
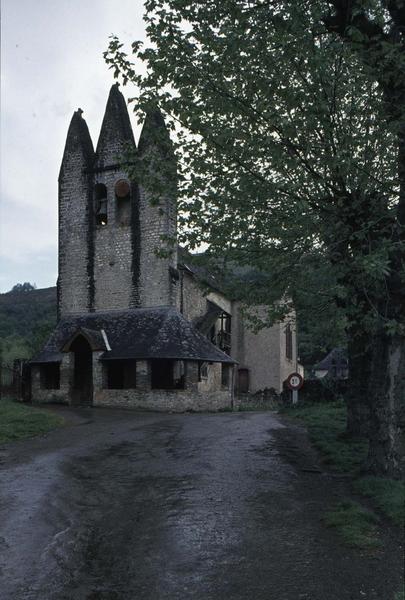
point(116, 134)
point(113, 221)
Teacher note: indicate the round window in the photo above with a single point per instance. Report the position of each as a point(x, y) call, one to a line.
point(122, 188)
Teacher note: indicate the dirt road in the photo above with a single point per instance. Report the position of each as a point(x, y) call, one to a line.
point(124, 506)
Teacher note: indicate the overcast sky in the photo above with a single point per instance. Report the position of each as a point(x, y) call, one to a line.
point(51, 64)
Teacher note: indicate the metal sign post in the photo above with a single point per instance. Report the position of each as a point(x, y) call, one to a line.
point(295, 381)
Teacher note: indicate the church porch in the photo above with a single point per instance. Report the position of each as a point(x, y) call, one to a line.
point(150, 359)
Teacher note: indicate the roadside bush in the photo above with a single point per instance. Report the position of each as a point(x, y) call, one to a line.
point(320, 390)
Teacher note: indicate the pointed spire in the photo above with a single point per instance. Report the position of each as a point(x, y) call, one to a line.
point(155, 133)
point(116, 130)
point(157, 161)
point(78, 140)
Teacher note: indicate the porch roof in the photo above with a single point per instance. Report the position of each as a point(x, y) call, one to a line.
point(139, 333)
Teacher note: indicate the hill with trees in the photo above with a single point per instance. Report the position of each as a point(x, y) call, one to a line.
point(27, 316)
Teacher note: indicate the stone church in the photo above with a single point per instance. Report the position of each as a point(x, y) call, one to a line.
point(136, 329)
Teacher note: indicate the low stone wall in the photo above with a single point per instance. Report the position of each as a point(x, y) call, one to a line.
point(164, 400)
point(197, 396)
point(267, 399)
point(43, 396)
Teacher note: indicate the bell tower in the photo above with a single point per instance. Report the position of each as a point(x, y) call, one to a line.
point(112, 226)
point(115, 211)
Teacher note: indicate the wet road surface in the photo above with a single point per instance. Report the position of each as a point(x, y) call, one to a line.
point(123, 506)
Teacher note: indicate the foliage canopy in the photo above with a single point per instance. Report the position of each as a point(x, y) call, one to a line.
point(283, 146)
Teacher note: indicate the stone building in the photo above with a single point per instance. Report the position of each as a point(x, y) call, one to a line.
point(136, 329)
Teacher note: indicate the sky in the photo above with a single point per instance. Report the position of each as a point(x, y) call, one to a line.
point(51, 64)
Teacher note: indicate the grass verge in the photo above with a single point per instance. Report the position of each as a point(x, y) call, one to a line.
point(387, 494)
point(326, 424)
point(354, 524)
point(19, 421)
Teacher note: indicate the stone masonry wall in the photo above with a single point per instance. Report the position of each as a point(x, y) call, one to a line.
point(164, 400)
point(194, 397)
point(194, 303)
point(157, 286)
point(258, 352)
point(112, 252)
point(74, 281)
point(60, 396)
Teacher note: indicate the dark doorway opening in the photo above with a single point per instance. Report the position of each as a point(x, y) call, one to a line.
point(50, 376)
point(168, 374)
point(121, 374)
point(162, 374)
point(83, 371)
point(243, 381)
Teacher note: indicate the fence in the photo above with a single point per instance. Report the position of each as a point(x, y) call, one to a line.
point(15, 380)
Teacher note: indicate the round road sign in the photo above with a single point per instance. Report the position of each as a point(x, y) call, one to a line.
point(295, 381)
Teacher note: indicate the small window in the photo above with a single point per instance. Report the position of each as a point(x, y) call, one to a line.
point(50, 376)
point(101, 209)
point(202, 371)
point(225, 333)
point(288, 342)
point(243, 381)
point(123, 198)
point(121, 374)
point(220, 332)
point(225, 375)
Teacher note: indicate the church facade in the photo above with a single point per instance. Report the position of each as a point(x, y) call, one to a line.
point(137, 329)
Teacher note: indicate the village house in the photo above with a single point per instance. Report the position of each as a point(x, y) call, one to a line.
point(335, 365)
point(136, 329)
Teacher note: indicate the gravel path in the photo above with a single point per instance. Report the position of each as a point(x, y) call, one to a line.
point(146, 506)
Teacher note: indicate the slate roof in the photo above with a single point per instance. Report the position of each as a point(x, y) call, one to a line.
point(140, 333)
point(93, 336)
point(336, 358)
point(205, 322)
point(186, 260)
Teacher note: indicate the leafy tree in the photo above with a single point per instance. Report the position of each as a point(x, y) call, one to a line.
point(375, 31)
point(23, 287)
point(287, 147)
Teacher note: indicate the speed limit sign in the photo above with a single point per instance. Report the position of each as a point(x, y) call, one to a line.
point(295, 381)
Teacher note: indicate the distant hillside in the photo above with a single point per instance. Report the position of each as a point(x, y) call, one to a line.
point(26, 321)
point(21, 312)
point(28, 317)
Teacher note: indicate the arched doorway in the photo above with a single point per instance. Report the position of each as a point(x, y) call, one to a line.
point(83, 371)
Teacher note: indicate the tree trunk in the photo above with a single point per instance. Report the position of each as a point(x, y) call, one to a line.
point(387, 406)
point(357, 397)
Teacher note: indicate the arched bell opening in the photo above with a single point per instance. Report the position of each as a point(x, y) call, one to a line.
point(122, 191)
point(82, 370)
point(101, 209)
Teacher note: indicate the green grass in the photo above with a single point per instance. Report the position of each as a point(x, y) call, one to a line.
point(387, 494)
point(19, 421)
point(354, 524)
point(400, 596)
point(326, 424)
